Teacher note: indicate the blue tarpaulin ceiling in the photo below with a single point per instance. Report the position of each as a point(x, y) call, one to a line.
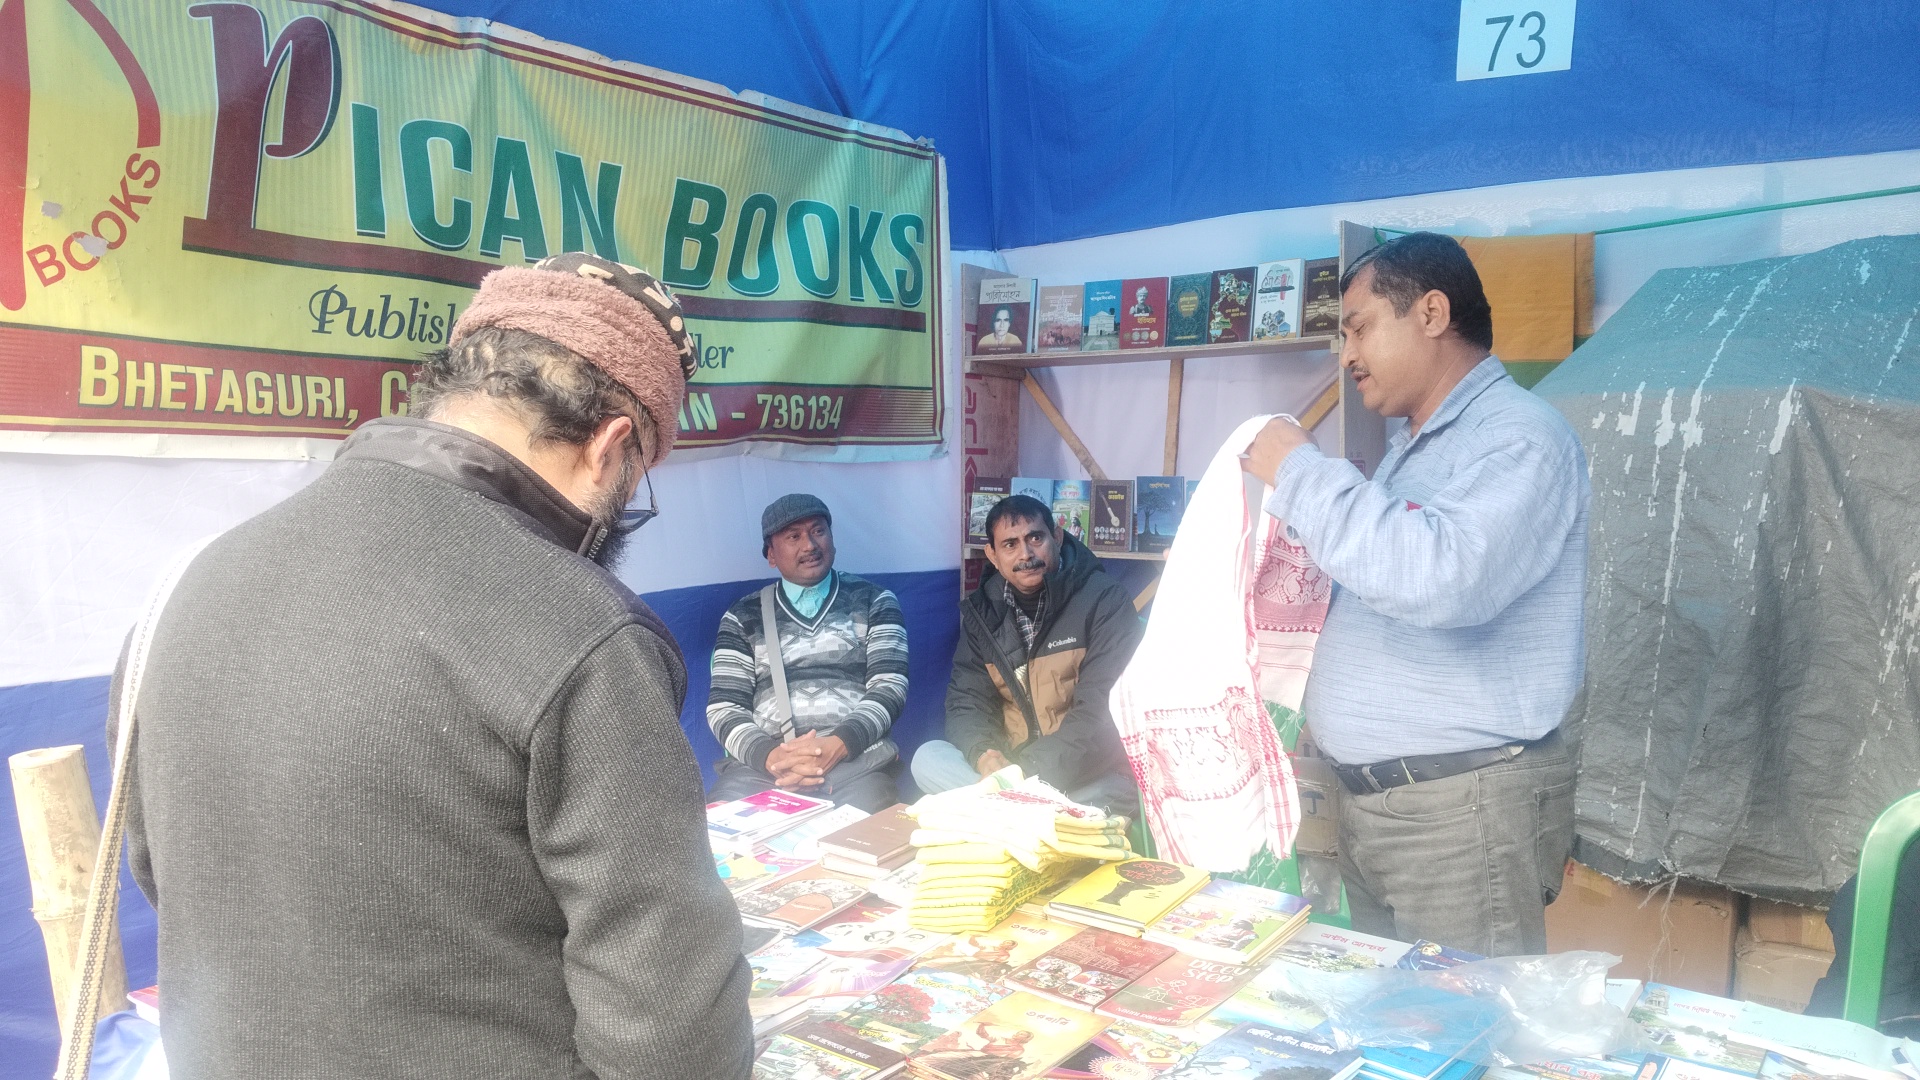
point(1063, 118)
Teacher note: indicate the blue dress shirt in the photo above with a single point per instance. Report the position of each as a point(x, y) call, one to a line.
point(1460, 577)
point(807, 599)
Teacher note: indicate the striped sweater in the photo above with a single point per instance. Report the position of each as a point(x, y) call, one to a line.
point(846, 671)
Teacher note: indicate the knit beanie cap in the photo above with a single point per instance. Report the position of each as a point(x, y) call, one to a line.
point(618, 318)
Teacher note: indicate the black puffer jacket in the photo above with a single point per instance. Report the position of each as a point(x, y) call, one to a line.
point(1045, 708)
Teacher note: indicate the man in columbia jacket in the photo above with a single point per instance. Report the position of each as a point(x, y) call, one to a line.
point(1042, 641)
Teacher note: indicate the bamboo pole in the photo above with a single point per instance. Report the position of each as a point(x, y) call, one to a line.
point(1322, 405)
point(60, 830)
point(1176, 378)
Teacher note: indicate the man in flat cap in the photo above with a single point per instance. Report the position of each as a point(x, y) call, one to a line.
point(809, 673)
point(412, 797)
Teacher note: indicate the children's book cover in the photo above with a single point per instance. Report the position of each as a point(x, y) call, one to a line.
point(1019, 1037)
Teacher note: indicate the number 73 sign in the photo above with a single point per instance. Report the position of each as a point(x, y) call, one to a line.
point(1514, 37)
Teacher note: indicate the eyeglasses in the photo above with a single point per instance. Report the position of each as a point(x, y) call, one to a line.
point(635, 515)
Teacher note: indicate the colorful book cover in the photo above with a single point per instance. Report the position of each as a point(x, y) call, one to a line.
point(801, 899)
point(1188, 296)
point(918, 1007)
point(1125, 1051)
point(1158, 503)
point(1004, 317)
point(1414, 1063)
point(991, 954)
point(1588, 1069)
point(1695, 1026)
point(1661, 1067)
point(1034, 487)
point(1329, 948)
point(803, 840)
point(1019, 1037)
point(1059, 324)
point(1427, 955)
point(1143, 318)
point(1232, 313)
point(1253, 1051)
point(1320, 308)
point(820, 1050)
point(756, 815)
point(743, 872)
point(1193, 486)
point(1100, 314)
point(987, 490)
point(1276, 300)
point(1133, 892)
point(1071, 501)
point(1272, 999)
point(1111, 511)
point(1089, 967)
point(1178, 992)
point(1230, 921)
point(785, 960)
point(848, 928)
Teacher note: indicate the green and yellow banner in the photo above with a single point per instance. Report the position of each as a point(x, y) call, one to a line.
point(228, 229)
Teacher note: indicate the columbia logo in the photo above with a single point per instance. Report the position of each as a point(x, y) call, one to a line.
point(1061, 641)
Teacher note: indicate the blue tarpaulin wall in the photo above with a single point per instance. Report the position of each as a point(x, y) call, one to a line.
point(1069, 119)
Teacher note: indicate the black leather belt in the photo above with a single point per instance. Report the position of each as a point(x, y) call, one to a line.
point(1381, 775)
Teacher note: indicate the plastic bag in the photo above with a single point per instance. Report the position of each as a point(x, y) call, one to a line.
point(126, 1047)
point(1514, 1010)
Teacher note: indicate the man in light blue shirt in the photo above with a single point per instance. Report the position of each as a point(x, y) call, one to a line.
point(1454, 642)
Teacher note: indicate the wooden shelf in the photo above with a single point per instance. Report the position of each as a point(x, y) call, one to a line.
point(972, 551)
point(1021, 361)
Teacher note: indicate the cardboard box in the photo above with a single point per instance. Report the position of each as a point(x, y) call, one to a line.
point(1684, 939)
point(1789, 924)
point(1770, 973)
point(1319, 829)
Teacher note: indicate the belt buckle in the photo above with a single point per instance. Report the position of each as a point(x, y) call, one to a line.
point(1373, 782)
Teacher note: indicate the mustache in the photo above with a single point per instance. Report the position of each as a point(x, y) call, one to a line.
point(1029, 564)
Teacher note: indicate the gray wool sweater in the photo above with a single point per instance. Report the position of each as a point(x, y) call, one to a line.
point(412, 798)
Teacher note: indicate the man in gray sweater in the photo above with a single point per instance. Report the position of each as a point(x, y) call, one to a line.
point(412, 798)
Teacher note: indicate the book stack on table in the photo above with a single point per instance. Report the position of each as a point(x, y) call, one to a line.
point(1164, 972)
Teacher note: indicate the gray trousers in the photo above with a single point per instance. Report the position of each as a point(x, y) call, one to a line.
point(1469, 861)
point(873, 790)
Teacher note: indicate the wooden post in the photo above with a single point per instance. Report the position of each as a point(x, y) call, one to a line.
point(60, 829)
point(1176, 376)
point(1060, 425)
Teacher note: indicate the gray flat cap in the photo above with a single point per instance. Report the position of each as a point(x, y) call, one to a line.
point(788, 509)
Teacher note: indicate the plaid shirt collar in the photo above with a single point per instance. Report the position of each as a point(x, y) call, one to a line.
point(1029, 628)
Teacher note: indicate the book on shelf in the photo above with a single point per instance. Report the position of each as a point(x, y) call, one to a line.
point(1193, 488)
point(1127, 896)
point(1143, 313)
point(1059, 325)
point(1178, 992)
point(1329, 948)
point(1004, 316)
point(1100, 316)
point(1320, 306)
point(1071, 501)
point(1278, 1052)
point(987, 490)
point(1231, 318)
point(1126, 1051)
point(1019, 1037)
point(918, 1007)
point(800, 900)
point(803, 840)
point(1110, 512)
point(876, 839)
point(1231, 922)
point(744, 872)
point(1188, 299)
point(1158, 504)
point(820, 1048)
point(1089, 967)
point(1276, 300)
point(738, 825)
point(1039, 488)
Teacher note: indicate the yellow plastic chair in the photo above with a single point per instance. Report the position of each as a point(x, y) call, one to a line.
point(1887, 843)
